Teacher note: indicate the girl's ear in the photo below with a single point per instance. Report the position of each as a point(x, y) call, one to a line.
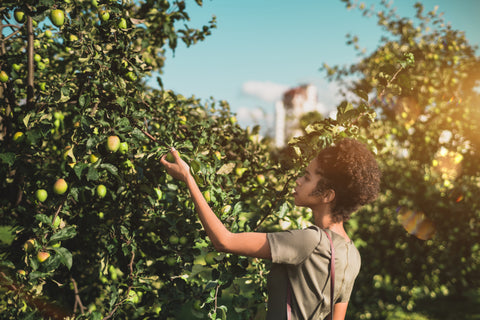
point(329, 195)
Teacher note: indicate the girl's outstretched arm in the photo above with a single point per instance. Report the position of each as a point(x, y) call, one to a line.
point(251, 244)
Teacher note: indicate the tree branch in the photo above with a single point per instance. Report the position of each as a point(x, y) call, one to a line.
point(30, 66)
point(78, 301)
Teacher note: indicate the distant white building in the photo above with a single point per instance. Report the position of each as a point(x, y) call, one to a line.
point(288, 111)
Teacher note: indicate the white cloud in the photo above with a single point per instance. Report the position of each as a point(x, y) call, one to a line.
point(264, 90)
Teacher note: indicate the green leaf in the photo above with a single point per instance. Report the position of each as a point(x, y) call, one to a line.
point(92, 174)
point(65, 256)
point(81, 100)
point(226, 168)
point(37, 274)
point(8, 158)
point(284, 208)
point(78, 168)
point(26, 119)
point(110, 168)
point(362, 94)
point(65, 233)
point(43, 218)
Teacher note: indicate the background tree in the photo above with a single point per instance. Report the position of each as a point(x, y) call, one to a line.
point(427, 140)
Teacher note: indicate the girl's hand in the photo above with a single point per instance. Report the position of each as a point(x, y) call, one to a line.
point(179, 169)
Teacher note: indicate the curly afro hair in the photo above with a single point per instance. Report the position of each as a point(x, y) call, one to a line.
point(350, 169)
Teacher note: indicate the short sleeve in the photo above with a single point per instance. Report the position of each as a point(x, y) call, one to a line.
point(293, 246)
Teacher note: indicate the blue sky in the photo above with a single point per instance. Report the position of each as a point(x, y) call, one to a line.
point(261, 48)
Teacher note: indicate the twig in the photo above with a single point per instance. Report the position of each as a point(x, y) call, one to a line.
point(78, 301)
point(11, 34)
point(130, 265)
point(216, 296)
point(147, 134)
point(389, 82)
point(54, 217)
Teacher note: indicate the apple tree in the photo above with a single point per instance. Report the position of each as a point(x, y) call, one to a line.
point(91, 225)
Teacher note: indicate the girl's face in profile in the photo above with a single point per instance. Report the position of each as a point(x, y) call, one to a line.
point(306, 184)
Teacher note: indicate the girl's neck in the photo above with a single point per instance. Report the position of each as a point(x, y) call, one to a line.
point(323, 219)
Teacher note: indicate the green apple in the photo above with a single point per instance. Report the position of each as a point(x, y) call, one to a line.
point(183, 240)
point(210, 258)
point(42, 256)
point(197, 305)
point(171, 261)
point(58, 115)
point(60, 186)
point(41, 195)
point(19, 15)
point(101, 191)
point(122, 24)
point(104, 15)
point(57, 17)
point(18, 136)
point(207, 195)
point(170, 158)
point(3, 76)
point(123, 148)
point(173, 239)
point(261, 179)
point(40, 65)
point(113, 143)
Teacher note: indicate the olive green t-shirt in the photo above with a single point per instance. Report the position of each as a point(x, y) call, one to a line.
point(302, 257)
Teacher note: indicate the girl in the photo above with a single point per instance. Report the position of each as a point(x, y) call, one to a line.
point(336, 183)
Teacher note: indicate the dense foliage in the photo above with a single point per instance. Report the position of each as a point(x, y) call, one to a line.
point(122, 240)
point(427, 141)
